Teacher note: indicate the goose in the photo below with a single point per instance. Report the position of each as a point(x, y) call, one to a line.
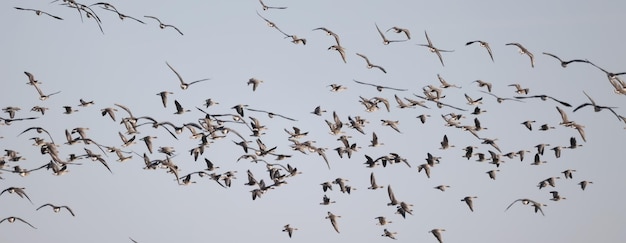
point(392, 124)
point(329, 32)
point(265, 7)
point(445, 84)
point(271, 24)
point(522, 51)
point(341, 51)
point(385, 40)
point(43, 96)
point(40, 109)
point(445, 144)
point(557, 151)
point(434, 49)
point(382, 221)
point(471, 101)
point(483, 84)
point(568, 173)
point(210, 102)
point(184, 85)
point(442, 187)
point(537, 160)
point(544, 98)
point(318, 111)
point(163, 26)
point(369, 64)
point(119, 14)
point(437, 234)
point(519, 89)
point(492, 174)
point(255, 83)
point(333, 220)
point(425, 168)
point(565, 63)
point(164, 95)
point(528, 124)
point(38, 130)
point(545, 127)
point(527, 201)
point(399, 30)
point(57, 209)
point(583, 184)
point(387, 233)
point(373, 184)
point(39, 12)
point(556, 196)
point(12, 219)
point(482, 44)
point(378, 87)
point(597, 108)
point(271, 114)
point(287, 228)
point(423, 117)
point(18, 191)
point(326, 200)
point(469, 201)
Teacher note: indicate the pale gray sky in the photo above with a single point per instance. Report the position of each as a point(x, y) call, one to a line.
point(227, 42)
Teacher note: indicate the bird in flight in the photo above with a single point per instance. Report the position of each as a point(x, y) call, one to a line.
point(369, 64)
point(162, 25)
point(434, 49)
point(39, 12)
point(523, 50)
point(385, 40)
point(184, 85)
point(565, 63)
point(265, 7)
point(482, 44)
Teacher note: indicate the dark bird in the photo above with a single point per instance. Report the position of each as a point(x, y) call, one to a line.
point(17, 190)
point(543, 97)
point(399, 30)
point(482, 44)
point(288, 228)
point(434, 49)
point(163, 26)
point(265, 7)
point(184, 85)
point(369, 64)
point(379, 87)
point(38, 12)
point(57, 209)
point(565, 63)
point(12, 219)
point(596, 108)
point(385, 40)
point(523, 50)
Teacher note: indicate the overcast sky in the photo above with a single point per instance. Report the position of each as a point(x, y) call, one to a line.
point(229, 43)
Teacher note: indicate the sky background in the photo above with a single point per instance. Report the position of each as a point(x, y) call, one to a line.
point(229, 43)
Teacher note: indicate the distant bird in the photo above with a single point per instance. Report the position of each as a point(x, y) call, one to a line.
point(434, 49)
point(163, 26)
point(492, 174)
point(369, 64)
point(596, 108)
point(373, 185)
point(18, 191)
point(482, 44)
point(382, 221)
point(568, 173)
point(12, 219)
point(337, 87)
point(163, 95)
point(528, 124)
point(583, 184)
point(565, 63)
point(387, 233)
point(523, 50)
point(265, 7)
point(39, 12)
point(556, 196)
point(469, 201)
point(271, 114)
point(526, 201)
point(500, 99)
point(255, 83)
point(179, 108)
point(329, 32)
point(483, 84)
point(378, 87)
point(385, 40)
point(544, 97)
point(184, 85)
point(437, 234)
point(341, 51)
point(57, 209)
point(442, 187)
point(392, 124)
point(271, 24)
point(287, 228)
point(333, 220)
point(519, 89)
point(318, 111)
point(43, 96)
point(399, 30)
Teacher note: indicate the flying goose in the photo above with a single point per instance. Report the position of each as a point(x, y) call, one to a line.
point(12, 219)
point(387, 233)
point(341, 51)
point(287, 228)
point(434, 49)
point(522, 51)
point(38, 12)
point(378, 87)
point(565, 63)
point(437, 234)
point(369, 64)
point(469, 202)
point(329, 32)
point(527, 201)
point(265, 7)
point(184, 85)
point(57, 209)
point(18, 191)
point(333, 220)
point(483, 84)
point(543, 97)
point(482, 44)
point(596, 108)
point(163, 26)
point(385, 40)
point(399, 30)
point(255, 83)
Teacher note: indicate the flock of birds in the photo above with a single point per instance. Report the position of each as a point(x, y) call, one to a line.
point(247, 132)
